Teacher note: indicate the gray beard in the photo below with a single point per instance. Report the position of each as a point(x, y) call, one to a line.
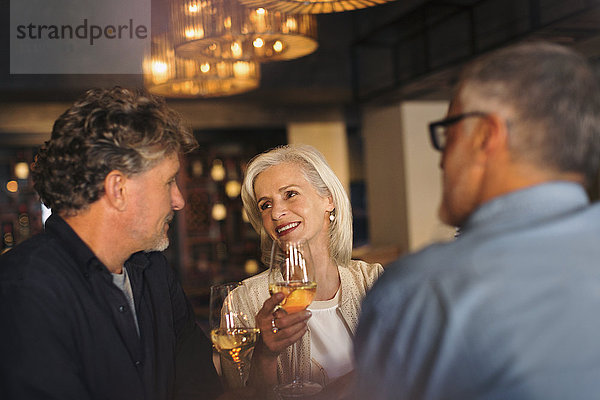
point(161, 245)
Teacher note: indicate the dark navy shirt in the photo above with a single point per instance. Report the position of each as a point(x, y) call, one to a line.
point(68, 332)
point(509, 310)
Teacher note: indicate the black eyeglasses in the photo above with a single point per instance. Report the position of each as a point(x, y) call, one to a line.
point(437, 129)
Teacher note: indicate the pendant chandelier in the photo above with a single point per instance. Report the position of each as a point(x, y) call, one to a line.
point(312, 6)
point(167, 75)
point(224, 29)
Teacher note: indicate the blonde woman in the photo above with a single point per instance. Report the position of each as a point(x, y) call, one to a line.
point(291, 193)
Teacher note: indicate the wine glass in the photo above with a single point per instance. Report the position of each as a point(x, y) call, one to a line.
point(292, 273)
point(231, 332)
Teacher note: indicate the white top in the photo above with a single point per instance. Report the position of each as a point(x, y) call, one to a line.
point(331, 341)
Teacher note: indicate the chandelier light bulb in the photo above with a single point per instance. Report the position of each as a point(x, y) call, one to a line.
point(258, 42)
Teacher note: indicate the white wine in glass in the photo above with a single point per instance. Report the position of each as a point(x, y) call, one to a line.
point(292, 273)
point(298, 295)
point(231, 332)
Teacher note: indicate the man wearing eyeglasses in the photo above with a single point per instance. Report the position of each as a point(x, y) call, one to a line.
point(511, 308)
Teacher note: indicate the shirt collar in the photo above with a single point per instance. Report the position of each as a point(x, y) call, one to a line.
point(80, 252)
point(139, 260)
point(528, 205)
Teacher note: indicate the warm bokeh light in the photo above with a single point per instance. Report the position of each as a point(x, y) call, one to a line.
point(12, 186)
point(205, 67)
point(233, 189)
point(219, 212)
point(22, 170)
point(251, 267)
point(197, 168)
point(217, 171)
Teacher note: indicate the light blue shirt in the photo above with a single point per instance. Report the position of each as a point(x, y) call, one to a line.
point(509, 310)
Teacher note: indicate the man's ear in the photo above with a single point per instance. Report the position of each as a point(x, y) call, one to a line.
point(115, 189)
point(495, 136)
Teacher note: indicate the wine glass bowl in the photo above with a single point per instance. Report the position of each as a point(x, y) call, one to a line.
point(292, 273)
point(231, 331)
point(234, 344)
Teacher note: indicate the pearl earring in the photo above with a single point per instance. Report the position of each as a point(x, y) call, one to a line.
point(331, 216)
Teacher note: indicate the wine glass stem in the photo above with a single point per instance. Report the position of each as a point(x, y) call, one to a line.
point(296, 363)
point(240, 368)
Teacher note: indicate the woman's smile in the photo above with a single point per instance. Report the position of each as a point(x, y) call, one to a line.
point(286, 228)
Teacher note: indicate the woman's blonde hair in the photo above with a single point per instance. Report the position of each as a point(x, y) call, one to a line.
point(320, 175)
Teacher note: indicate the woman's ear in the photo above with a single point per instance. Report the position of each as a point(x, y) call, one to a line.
point(115, 189)
point(330, 205)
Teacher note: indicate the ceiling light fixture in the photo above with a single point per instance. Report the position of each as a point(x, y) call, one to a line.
point(312, 6)
point(224, 29)
point(167, 75)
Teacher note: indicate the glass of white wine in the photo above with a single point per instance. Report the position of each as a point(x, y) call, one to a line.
point(292, 273)
point(231, 332)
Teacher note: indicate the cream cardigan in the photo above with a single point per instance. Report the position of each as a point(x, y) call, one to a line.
point(356, 279)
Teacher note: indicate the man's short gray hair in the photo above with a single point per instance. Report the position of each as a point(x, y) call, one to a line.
point(551, 98)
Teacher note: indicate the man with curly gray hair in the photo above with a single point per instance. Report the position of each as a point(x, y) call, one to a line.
point(90, 307)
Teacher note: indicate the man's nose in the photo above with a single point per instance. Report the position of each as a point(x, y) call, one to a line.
point(177, 200)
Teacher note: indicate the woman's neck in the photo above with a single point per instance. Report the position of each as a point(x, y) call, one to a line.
point(326, 273)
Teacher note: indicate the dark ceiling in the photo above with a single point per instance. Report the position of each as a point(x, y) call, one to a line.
point(406, 49)
point(418, 54)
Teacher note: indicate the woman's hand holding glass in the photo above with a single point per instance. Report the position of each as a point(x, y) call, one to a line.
point(280, 329)
point(290, 329)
